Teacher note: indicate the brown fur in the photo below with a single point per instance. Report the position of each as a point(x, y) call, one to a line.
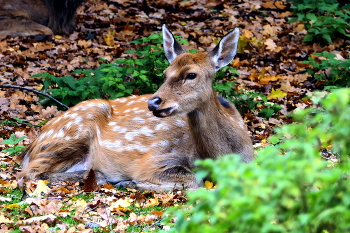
point(123, 141)
point(37, 17)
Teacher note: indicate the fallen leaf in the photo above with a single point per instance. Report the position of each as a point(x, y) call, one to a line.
point(41, 188)
point(208, 184)
point(270, 44)
point(275, 94)
point(46, 218)
point(3, 219)
point(90, 184)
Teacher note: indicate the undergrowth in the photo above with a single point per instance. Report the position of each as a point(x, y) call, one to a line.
point(324, 20)
point(289, 187)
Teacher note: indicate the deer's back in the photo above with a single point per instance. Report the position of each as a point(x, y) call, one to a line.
point(130, 143)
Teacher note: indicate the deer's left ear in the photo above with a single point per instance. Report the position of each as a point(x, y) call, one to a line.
point(226, 50)
point(172, 48)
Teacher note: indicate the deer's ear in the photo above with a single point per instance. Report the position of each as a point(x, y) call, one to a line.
point(172, 48)
point(226, 50)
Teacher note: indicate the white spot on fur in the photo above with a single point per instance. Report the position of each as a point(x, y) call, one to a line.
point(185, 137)
point(81, 108)
point(90, 115)
point(73, 115)
point(91, 104)
point(78, 120)
point(162, 126)
point(140, 111)
point(130, 135)
point(180, 123)
point(143, 99)
point(175, 141)
point(139, 120)
point(45, 134)
point(120, 129)
point(153, 118)
point(144, 130)
point(136, 146)
point(164, 143)
point(49, 132)
point(131, 102)
point(59, 134)
point(110, 144)
point(122, 100)
point(112, 123)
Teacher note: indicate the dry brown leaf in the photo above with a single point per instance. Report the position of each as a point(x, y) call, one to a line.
point(270, 44)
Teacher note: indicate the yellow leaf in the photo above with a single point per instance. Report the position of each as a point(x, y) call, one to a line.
point(265, 79)
point(121, 203)
point(41, 188)
point(58, 37)
point(208, 184)
point(275, 94)
point(12, 206)
point(3, 219)
point(109, 38)
point(242, 43)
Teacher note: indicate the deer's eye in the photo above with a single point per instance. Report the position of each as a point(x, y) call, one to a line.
point(191, 76)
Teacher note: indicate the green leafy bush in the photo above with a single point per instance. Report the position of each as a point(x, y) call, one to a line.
point(324, 20)
point(15, 148)
point(244, 100)
point(335, 72)
point(288, 188)
point(142, 70)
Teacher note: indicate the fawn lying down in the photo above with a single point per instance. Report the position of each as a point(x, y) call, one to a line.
point(152, 143)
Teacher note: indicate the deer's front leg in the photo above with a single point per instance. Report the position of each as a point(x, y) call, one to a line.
point(168, 174)
point(76, 176)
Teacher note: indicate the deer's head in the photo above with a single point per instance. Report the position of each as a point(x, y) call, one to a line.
point(188, 79)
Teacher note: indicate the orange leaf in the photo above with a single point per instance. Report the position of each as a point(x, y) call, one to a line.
point(208, 184)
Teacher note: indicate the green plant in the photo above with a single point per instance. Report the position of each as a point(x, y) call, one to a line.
point(13, 141)
point(17, 121)
point(245, 101)
point(289, 187)
point(335, 72)
point(142, 72)
point(324, 20)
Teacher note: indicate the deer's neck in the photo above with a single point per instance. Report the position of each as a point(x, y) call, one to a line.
point(211, 129)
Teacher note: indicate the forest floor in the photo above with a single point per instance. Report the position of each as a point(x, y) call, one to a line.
point(269, 63)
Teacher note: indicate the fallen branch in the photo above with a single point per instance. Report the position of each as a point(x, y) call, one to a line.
point(36, 92)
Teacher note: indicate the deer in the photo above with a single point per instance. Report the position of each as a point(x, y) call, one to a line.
point(148, 141)
point(37, 18)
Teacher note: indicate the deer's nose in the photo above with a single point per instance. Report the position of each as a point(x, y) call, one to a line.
point(153, 104)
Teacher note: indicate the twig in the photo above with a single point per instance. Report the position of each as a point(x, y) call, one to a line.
point(36, 92)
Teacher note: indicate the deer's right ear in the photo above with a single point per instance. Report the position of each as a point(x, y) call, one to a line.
point(172, 48)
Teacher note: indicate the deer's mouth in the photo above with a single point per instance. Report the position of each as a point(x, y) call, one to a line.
point(164, 112)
